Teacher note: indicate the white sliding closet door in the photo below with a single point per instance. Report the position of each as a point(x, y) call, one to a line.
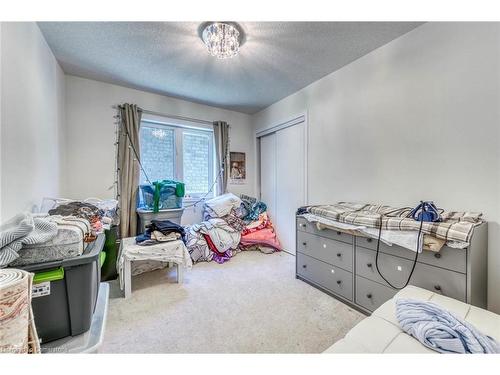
point(282, 179)
point(290, 182)
point(268, 173)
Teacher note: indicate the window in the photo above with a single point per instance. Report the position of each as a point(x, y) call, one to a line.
point(177, 152)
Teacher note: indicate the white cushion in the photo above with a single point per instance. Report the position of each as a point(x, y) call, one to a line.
point(345, 346)
point(404, 343)
point(381, 333)
point(485, 321)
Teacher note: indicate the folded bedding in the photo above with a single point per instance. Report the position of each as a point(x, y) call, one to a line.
point(23, 230)
point(29, 239)
point(455, 227)
point(71, 240)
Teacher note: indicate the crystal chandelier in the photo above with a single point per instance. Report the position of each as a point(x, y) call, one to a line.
point(159, 133)
point(221, 39)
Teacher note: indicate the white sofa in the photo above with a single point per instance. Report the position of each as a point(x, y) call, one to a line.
point(380, 333)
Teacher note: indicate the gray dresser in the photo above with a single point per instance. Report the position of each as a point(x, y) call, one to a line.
point(344, 265)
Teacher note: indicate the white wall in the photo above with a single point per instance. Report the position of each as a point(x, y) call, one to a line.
point(32, 101)
point(418, 118)
point(90, 133)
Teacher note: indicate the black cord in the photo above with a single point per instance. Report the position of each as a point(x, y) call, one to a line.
point(208, 192)
point(414, 260)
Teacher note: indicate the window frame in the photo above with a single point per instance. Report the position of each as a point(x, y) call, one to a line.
point(179, 130)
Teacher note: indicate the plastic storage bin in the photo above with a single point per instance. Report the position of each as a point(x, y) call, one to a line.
point(90, 341)
point(168, 198)
point(145, 217)
point(65, 293)
point(108, 267)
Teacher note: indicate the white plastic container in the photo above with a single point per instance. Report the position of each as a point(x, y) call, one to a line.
point(145, 216)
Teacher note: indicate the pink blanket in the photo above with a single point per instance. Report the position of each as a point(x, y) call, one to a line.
point(265, 236)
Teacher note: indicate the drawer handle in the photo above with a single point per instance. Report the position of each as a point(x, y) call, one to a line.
point(304, 266)
point(369, 265)
point(303, 225)
point(437, 255)
point(339, 233)
point(339, 254)
point(304, 243)
point(369, 295)
point(339, 282)
point(437, 287)
point(369, 240)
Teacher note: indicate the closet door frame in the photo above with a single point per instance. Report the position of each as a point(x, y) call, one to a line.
point(291, 121)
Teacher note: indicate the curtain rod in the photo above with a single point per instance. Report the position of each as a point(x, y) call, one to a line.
point(170, 116)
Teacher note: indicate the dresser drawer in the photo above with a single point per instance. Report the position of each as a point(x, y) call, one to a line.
point(394, 269)
point(447, 257)
point(330, 277)
point(448, 283)
point(397, 270)
point(370, 294)
point(305, 226)
point(338, 253)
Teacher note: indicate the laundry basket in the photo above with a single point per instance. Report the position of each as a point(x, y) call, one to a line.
point(168, 196)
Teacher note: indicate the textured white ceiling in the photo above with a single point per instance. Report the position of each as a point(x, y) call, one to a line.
point(277, 58)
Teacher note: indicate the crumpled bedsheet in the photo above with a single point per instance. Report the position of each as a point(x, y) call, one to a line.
point(148, 258)
point(223, 236)
point(440, 330)
point(221, 206)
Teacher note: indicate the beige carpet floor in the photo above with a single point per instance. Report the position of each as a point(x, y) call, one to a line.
point(251, 304)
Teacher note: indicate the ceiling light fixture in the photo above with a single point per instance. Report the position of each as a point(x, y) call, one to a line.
point(222, 39)
point(159, 133)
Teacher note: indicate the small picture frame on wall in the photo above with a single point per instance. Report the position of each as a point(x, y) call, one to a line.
point(237, 168)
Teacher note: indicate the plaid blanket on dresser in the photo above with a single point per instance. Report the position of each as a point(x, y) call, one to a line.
point(455, 226)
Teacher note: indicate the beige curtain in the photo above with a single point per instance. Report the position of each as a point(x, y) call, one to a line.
point(221, 139)
point(128, 168)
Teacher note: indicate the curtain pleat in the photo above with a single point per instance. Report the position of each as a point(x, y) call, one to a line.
point(221, 139)
point(128, 168)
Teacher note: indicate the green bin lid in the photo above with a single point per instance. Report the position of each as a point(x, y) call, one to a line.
point(50, 275)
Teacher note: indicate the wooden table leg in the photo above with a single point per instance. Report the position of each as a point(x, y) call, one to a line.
point(127, 278)
point(180, 274)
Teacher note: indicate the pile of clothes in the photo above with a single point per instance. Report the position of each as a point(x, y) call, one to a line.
point(160, 231)
point(62, 232)
point(90, 212)
point(231, 224)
